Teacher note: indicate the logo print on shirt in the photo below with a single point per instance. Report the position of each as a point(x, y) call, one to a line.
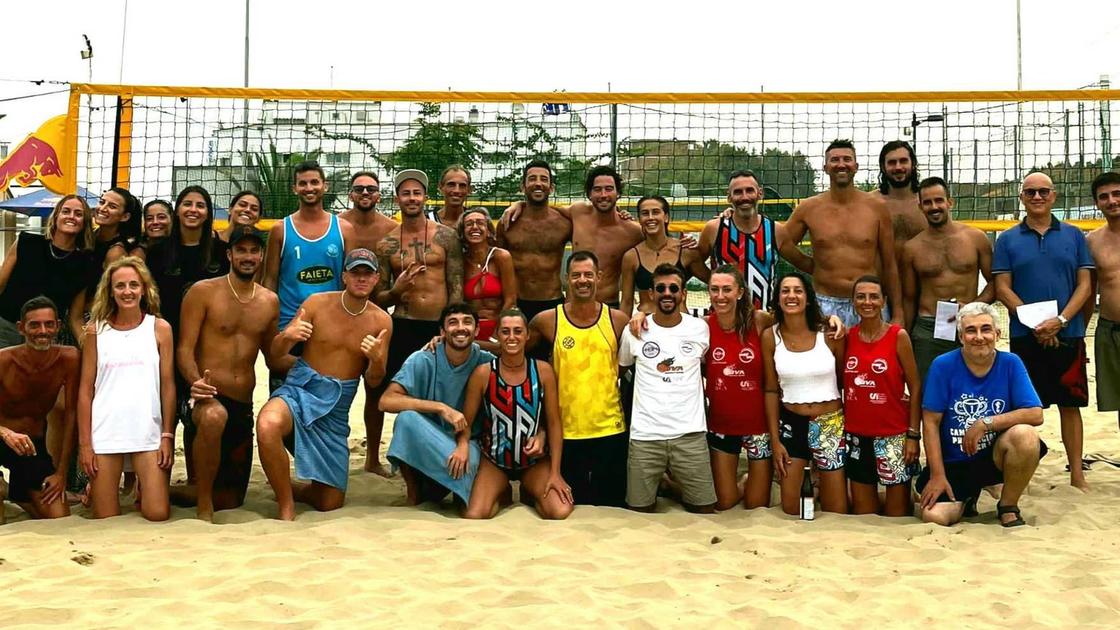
point(853, 363)
point(879, 366)
point(667, 366)
point(718, 354)
point(332, 250)
point(689, 349)
point(650, 349)
point(746, 355)
point(862, 381)
point(733, 371)
point(569, 342)
point(318, 274)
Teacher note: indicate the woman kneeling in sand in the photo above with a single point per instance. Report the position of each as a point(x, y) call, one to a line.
point(516, 394)
point(126, 398)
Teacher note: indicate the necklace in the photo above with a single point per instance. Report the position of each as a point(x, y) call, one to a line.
point(238, 297)
point(51, 248)
point(342, 298)
point(872, 338)
point(513, 366)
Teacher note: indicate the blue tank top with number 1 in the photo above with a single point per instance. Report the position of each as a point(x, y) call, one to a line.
point(308, 267)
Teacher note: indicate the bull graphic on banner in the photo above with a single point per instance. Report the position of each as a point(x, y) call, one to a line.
point(38, 158)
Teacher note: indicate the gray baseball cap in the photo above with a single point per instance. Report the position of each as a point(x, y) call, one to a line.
point(410, 173)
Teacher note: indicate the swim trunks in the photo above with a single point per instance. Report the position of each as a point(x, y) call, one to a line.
point(27, 471)
point(1058, 374)
point(926, 347)
point(844, 309)
point(820, 439)
point(875, 460)
point(1106, 346)
point(237, 445)
point(757, 446)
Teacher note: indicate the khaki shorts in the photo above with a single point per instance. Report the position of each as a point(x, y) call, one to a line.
point(686, 457)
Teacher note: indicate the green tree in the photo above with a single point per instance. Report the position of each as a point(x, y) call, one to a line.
point(271, 175)
point(435, 145)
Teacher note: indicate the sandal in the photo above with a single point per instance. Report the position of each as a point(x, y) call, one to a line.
point(1010, 509)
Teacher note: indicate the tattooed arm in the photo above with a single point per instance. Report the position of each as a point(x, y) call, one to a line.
point(446, 238)
point(383, 294)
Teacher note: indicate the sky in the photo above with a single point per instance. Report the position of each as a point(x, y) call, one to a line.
point(574, 45)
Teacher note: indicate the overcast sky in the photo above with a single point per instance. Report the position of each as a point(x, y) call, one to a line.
point(576, 45)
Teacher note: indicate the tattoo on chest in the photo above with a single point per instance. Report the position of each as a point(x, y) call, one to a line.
point(418, 249)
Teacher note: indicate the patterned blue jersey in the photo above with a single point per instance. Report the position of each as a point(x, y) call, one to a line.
point(308, 267)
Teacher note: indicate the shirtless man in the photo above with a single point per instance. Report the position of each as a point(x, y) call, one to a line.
point(738, 238)
point(344, 336)
point(426, 260)
point(942, 263)
point(370, 226)
point(454, 187)
point(898, 183)
point(31, 376)
point(225, 323)
point(851, 232)
point(536, 241)
point(1104, 246)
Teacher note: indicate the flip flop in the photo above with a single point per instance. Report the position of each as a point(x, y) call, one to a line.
point(1010, 509)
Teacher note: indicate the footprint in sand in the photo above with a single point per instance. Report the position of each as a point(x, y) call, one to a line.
point(83, 558)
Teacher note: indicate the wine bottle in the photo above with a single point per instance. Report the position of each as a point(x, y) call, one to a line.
point(808, 508)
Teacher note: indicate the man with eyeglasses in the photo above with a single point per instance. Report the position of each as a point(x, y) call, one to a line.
point(668, 429)
point(370, 226)
point(1104, 245)
point(1045, 260)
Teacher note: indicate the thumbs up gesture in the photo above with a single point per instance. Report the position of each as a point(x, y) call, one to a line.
point(299, 329)
point(374, 347)
point(202, 389)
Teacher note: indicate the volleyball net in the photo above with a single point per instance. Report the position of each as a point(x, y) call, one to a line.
point(156, 140)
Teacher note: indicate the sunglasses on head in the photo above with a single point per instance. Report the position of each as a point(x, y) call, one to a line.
point(671, 288)
point(1041, 192)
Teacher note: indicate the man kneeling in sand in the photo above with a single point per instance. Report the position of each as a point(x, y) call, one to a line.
point(431, 436)
point(223, 324)
point(344, 336)
point(978, 410)
point(31, 376)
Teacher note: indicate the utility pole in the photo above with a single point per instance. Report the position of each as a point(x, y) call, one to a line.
point(1106, 128)
point(245, 106)
point(1018, 87)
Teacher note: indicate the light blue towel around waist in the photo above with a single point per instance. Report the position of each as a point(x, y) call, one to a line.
point(320, 407)
point(425, 444)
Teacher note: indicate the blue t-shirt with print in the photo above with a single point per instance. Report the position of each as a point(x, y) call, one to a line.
point(963, 398)
point(429, 376)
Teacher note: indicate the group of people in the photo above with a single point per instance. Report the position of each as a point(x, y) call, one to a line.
point(464, 330)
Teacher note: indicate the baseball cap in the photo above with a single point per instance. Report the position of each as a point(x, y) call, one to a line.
point(358, 257)
point(410, 173)
point(242, 232)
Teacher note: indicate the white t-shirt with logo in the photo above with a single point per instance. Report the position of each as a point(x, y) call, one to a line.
point(668, 383)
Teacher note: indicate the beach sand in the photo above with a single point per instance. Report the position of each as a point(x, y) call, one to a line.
point(378, 562)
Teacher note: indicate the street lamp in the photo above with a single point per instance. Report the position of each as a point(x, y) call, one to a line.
point(915, 122)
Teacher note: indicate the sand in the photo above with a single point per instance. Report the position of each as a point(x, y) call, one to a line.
point(378, 562)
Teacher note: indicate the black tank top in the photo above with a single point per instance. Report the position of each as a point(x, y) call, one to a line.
point(42, 269)
point(643, 278)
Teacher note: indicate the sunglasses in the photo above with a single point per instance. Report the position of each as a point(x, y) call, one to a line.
point(1041, 192)
point(671, 288)
point(369, 190)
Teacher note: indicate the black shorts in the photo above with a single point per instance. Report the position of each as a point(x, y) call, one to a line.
point(532, 308)
point(409, 335)
point(967, 478)
point(757, 446)
point(595, 468)
point(878, 460)
point(1058, 374)
point(237, 446)
point(27, 472)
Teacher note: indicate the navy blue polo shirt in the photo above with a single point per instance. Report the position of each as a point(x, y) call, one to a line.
point(1043, 267)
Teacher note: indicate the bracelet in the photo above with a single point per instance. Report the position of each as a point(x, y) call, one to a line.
point(170, 436)
point(913, 435)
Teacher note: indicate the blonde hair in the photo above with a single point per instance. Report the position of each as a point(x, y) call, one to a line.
point(105, 307)
point(84, 241)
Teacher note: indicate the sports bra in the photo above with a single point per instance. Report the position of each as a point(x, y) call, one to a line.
point(483, 285)
point(808, 376)
point(643, 278)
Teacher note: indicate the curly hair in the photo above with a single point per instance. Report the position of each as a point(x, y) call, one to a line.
point(491, 236)
point(105, 307)
point(813, 318)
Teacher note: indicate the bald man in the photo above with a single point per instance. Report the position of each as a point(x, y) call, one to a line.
point(1041, 260)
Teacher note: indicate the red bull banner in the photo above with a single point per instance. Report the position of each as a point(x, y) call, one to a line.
point(38, 158)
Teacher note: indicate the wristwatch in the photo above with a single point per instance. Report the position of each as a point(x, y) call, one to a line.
point(987, 420)
point(1062, 318)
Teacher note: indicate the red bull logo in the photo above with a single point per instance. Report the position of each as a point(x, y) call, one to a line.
point(37, 159)
point(32, 160)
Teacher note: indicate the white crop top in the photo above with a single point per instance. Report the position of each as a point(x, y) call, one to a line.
point(806, 377)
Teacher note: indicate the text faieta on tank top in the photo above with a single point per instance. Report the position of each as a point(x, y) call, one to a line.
point(586, 361)
point(805, 377)
point(126, 414)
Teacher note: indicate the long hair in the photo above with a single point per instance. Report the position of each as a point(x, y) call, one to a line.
point(84, 241)
point(491, 237)
point(664, 208)
point(206, 241)
point(813, 317)
point(744, 307)
point(885, 185)
point(105, 307)
point(260, 203)
point(130, 228)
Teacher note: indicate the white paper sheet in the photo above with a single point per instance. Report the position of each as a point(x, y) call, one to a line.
point(1031, 315)
point(945, 322)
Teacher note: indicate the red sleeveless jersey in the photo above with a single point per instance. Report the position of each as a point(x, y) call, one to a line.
point(733, 381)
point(875, 401)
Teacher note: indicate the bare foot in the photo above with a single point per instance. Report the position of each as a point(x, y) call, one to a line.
point(206, 514)
point(1079, 483)
point(288, 512)
point(377, 468)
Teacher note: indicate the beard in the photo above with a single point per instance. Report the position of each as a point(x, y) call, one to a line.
point(894, 183)
point(241, 275)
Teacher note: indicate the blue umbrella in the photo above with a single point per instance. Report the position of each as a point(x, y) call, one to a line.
point(41, 202)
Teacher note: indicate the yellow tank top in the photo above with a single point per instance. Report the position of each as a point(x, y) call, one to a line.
point(586, 362)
